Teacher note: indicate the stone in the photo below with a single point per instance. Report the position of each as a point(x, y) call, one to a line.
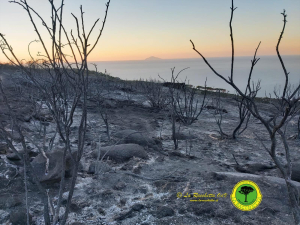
point(119, 186)
point(123, 201)
point(132, 136)
point(127, 167)
point(101, 211)
point(253, 168)
point(137, 170)
point(44, 115)
point(123, 152)
point(164, 211)
point(296, 172)
point(143, 190)
point(55, 166)
point(19, 217)
point(147, 104)
point(3, 148)
point(4, 216)
point(15, 135)
point(181, 211)
point(137, 207)
point(7, 202)
point(108, 104)
point(27, 118)
point(183, 136)
point(126, 215)
point(77, 223)
point(13, 156)
point(160, 159)
point(24, 118)
point(92, 168)
point(103, 167)
point(201, 209)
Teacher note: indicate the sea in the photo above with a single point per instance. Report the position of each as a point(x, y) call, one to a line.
point(268, 71)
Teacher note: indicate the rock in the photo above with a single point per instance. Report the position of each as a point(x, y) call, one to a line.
point(176, 153)
point(108, 104)
point(137, 170)
point(13, 156)
point(160, 159)
point(27, 118)
point(182, 136)
point(15, 135)
point(123, 152)
point(7, 202)
point(126, 215)
point(79, 202)
point(201, 209)
point(78, 206)
point(103, 167)
point(259, 167)
point(164, 211)
point(123, 201)
point(127, 167)
point(119, 186)
point(147, 104)
point(92, 168)
point(55, 166)
point(137, 207)
point(125, 89)
point(268, 211)
point(24, 118)
point(132, 136)
point(143, 190)
point(19, 217)
point(44, 115)
point(3, 216)
point(3, 148)
point(253, 168)
point(213, 107)
point(182, 210)
point(107, 193)
point(296, 172)
point(101, 211)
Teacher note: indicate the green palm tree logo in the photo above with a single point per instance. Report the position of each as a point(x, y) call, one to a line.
point(245, 190)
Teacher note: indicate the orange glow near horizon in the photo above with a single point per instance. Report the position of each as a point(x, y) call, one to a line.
point(112, 53)
point(287, 47)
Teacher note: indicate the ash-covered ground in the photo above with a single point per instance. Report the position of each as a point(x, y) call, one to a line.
point(139, 182)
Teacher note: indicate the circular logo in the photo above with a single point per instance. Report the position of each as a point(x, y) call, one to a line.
point(246, 195)
point(179, 195)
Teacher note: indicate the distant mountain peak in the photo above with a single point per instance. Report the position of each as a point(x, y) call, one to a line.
point(153, 58)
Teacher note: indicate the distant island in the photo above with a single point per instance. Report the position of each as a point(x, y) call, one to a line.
point(153, 58)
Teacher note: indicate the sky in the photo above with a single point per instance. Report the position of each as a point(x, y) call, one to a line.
point(138, 29)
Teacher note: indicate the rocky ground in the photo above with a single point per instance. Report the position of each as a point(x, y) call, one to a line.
point(139, 181)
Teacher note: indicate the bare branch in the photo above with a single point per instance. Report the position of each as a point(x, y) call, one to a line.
point(281, 61)
point(103, 24)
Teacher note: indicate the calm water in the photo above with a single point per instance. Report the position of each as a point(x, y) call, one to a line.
point(268, 70)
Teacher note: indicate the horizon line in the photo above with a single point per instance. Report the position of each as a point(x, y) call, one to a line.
point(159, 59)
point(124, 60)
